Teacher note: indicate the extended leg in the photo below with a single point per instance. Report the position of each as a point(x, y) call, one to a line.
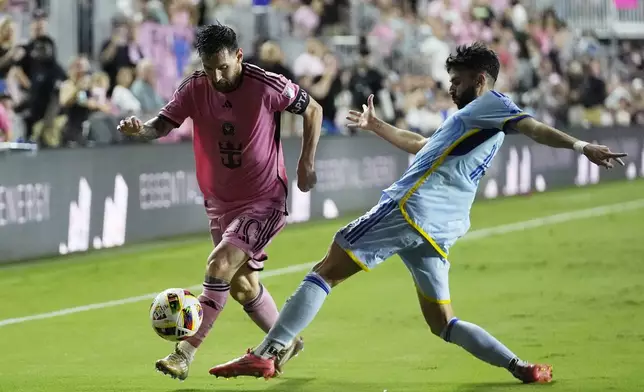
point(223, 264)
point(298, 312)
point(361, 245)
point(431, 277)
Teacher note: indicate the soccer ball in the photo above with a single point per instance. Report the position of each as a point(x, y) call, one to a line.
point(176, 314)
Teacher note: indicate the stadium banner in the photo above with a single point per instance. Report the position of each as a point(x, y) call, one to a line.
point(168, 47)
point(73, 200)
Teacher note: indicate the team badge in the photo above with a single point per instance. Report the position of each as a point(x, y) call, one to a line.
point(228, 129)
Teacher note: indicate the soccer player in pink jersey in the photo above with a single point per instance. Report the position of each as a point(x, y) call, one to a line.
point(236, 108)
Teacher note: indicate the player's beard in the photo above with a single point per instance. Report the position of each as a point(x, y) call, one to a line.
point(227, 86)
point(466, 97)
point(223, 87)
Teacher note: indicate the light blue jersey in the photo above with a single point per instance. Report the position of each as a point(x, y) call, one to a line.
point(421, 215)
point(436, 192)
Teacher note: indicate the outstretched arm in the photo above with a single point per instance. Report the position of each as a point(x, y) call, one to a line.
point(173, 114)
point(405, 140)
point(545, 134)
point(152, 129)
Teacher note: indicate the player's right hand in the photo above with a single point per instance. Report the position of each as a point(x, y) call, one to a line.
point(365, 120)
point(602, 155)
point(130, 126)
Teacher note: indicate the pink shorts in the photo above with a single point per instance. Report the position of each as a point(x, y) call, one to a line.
point(249, 229)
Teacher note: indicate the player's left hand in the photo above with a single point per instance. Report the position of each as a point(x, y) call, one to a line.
point(603, 156)
point(306, 177)
point(365, 120)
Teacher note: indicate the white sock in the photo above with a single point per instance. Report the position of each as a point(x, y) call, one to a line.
point(268, 349)
point(479, 343)
point(298, 312)
point(188, 349)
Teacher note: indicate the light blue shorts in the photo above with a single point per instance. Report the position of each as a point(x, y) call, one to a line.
point(383, 232)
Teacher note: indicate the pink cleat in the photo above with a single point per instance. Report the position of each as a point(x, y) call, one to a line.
point(248, 365)
point(530, 373)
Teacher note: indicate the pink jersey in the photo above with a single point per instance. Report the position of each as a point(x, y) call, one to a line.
point(237, 135)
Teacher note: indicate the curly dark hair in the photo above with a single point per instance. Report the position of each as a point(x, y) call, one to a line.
point(214, 38)
point(476, 57)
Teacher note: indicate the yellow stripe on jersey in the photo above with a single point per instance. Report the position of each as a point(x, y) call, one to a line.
point(422, 180)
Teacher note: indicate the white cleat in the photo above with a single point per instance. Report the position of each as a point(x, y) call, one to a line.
point(175, 365)
point(287, 354)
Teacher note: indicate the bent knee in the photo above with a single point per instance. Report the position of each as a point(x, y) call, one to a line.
point(336, 266)
point(243, 289)
point(218, 265)
point(327, 272)
point(224, 262)
point(437, 316)
point(438, 325)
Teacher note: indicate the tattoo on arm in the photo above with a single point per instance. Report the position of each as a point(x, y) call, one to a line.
point(154, 129)
point(148, 133)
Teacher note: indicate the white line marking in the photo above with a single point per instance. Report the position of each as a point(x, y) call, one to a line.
point(473, 235)
point(557, 218)
point(140, 298)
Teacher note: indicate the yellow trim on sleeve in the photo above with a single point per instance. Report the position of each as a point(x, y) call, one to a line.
point(422, 180)
point(512, 118)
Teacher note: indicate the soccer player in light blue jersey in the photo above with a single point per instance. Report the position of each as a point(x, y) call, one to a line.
point(422, 215)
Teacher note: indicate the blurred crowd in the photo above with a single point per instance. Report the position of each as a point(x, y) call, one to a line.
point(340, 51)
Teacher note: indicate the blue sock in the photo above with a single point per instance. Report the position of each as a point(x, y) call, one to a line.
point(479, 343)
point(297, 314)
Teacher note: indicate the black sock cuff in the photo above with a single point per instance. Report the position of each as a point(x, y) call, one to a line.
point(216, 284)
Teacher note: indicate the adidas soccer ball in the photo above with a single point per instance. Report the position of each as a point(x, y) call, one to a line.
point(176, 314)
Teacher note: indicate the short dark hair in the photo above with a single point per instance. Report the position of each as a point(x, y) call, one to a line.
point(476, 57)
point(212, 39)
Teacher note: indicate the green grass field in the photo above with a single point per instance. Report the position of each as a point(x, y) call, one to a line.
point(568, 291)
